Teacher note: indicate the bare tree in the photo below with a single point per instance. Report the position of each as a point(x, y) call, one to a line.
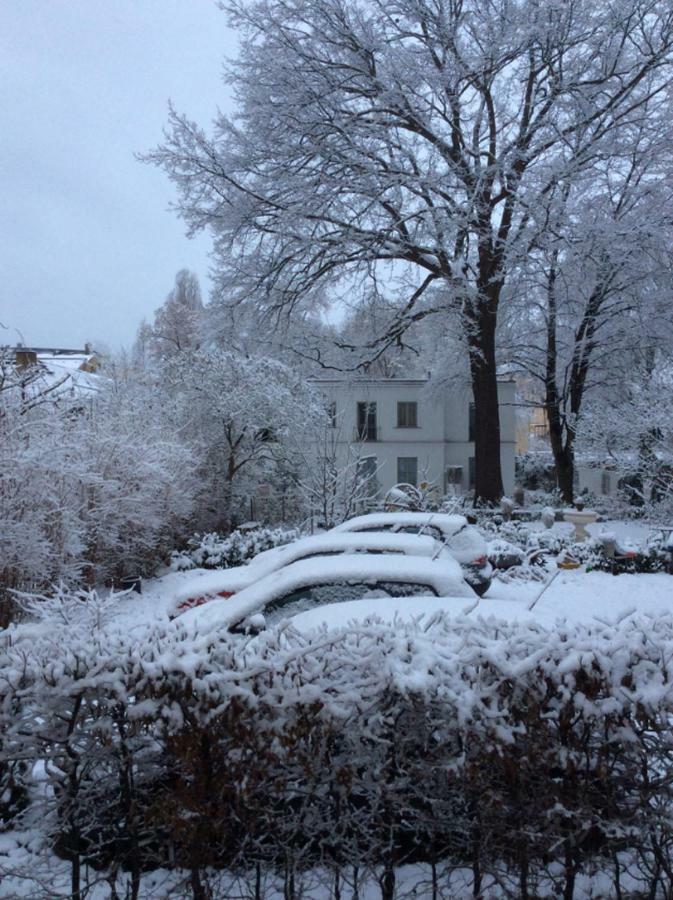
point(177, 323)
point(334, 477)
point(407, 142)
point(597, 285)
point(244, 413)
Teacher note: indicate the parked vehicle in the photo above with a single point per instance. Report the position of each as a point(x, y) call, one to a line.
point(391, 610)
point(225, 583)
point(322, 580)
point(463, 540)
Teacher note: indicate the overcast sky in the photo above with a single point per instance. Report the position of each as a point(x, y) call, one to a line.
point(87, 244)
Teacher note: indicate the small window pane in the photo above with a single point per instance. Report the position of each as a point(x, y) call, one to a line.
point(407, 414)
point(407, 470)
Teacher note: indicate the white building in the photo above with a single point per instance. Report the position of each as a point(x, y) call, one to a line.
point(407, 433)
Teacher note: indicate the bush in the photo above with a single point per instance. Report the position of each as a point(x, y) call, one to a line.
point(284, 753)
point(217, 551)
point(536, 471)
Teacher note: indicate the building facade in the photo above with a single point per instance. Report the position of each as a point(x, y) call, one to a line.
point(406, 432)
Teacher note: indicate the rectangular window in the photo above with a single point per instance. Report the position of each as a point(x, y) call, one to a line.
point(407, 470)
point(332, 414)
point(605, 483)
point(366, 427)
point(453, 477)
point(471, 473)
point(472, 423)
point(367, 469)
point(407, 414)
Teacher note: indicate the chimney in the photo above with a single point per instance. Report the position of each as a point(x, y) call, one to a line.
point(25, 358)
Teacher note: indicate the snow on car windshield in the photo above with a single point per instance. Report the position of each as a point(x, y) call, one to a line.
point(319, 595)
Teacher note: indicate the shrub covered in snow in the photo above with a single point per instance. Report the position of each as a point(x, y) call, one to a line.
point(516, 543)
point(536, 471)
point(283, 753)
point(91, 489)
point(218, 551)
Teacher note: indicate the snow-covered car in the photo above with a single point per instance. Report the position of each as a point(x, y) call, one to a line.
point(203, 586)
point(322, 580)
point(391, 610)
point(463, 540)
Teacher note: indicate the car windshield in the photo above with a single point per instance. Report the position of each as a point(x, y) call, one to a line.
point(338, 592)
point(421, 529)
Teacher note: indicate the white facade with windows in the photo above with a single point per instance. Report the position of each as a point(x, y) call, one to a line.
point(407, 432)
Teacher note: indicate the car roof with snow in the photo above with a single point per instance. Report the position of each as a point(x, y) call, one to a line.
point(332, 542)
point(446, 523)
point(442, 575)
point(239, 577)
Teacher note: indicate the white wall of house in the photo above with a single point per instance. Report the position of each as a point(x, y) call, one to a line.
point(440, 438)
point(599, 481)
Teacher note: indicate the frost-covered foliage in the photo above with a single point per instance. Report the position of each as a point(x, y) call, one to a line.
point(285, 753)
point(90, 489)
point(245, 414)
point(535, 471)
point(633, 435)
point(435, 143)
point(523, 551)
point(218, 551)
point(334, 478)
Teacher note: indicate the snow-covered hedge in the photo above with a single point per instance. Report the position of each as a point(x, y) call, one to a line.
point(527, 756)
point(217, 551)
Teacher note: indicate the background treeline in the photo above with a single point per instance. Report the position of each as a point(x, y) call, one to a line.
point(498, 760)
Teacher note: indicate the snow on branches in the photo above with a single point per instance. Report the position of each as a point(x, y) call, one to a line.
point(505, 748)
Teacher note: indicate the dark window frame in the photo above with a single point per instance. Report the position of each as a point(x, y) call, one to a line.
point(366, 418)
point(407, 414)
point(405, 460)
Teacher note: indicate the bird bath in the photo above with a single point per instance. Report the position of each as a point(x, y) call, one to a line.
point(580, 518)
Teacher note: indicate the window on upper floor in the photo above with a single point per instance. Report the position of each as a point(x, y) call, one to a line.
point(472, 423)
point(407, 470)
point(366, 421)
point(407, 414)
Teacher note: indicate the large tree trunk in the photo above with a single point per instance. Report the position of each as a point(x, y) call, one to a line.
point(564, 462)
point(488, 487)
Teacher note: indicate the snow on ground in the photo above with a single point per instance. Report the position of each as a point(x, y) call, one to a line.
point(581, 596)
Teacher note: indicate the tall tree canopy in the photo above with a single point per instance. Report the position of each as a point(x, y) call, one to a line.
point(409, 142)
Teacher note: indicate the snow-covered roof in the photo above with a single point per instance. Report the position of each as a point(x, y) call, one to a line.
point(443, 576)
point(61, 373)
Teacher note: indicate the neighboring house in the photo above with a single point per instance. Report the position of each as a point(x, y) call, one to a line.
point(599, 479)
point(56, 372)
point(532, 427)
point(406, 432)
